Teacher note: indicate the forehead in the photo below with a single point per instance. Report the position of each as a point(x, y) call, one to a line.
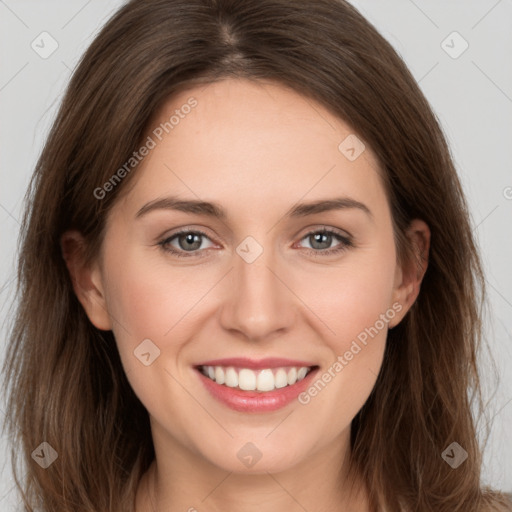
point(258, 139)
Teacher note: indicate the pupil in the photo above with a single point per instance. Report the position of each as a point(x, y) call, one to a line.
point(318, 237)
point(193, 239)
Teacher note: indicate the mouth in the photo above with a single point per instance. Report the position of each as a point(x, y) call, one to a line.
point(255, 386)
point(248, 379)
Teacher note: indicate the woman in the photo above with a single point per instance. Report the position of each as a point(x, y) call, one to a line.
point(220, 275)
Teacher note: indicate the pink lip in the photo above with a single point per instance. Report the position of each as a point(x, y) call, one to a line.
point(243, 362)
point(256, 401)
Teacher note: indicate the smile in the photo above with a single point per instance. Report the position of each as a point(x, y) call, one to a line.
point(247, 385)
point(247, 379)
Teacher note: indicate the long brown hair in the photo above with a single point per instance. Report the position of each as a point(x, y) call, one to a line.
point(65, 380)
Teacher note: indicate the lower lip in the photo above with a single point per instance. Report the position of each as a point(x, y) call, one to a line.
point(256, 401)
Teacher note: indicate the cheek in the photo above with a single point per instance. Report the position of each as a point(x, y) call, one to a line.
point(354, 309)
point(148, 293)
point(357, 314)
point(150, 299)
point(350, 298)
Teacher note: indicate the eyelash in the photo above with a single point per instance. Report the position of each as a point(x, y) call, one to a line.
point(346, 242)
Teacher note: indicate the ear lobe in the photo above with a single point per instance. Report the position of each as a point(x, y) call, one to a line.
point(410, 275)
point(86, 279)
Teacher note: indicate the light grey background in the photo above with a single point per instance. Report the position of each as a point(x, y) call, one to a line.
point(471, 95)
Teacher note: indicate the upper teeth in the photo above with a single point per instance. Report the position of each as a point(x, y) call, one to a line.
point(260, 380)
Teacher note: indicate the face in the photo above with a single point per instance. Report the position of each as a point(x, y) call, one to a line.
point(292, 265)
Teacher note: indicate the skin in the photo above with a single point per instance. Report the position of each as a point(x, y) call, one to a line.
point(256, 149)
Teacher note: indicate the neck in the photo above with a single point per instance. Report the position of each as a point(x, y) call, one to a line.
point(188, 482)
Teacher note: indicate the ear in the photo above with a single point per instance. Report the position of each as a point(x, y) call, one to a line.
point(86, 279)
point(409, 275)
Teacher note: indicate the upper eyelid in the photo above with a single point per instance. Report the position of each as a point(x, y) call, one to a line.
point(186, 231)
point(312, 230)
point(346, 238)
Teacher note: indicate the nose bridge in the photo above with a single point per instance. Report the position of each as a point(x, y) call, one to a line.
point(257, 302)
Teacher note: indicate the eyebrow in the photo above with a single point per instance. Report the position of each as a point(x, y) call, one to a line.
point(216, 211)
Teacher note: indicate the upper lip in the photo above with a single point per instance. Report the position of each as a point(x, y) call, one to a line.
point(256, 364)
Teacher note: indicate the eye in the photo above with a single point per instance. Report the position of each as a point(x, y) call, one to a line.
point(320, 242)
point(185, 241)
point(188, 243)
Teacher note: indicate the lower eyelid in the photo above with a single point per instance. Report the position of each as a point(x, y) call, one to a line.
point(167, 241)
point(344, 240)
point(344, 243)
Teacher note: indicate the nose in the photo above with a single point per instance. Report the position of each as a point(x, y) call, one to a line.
point(258, 304)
